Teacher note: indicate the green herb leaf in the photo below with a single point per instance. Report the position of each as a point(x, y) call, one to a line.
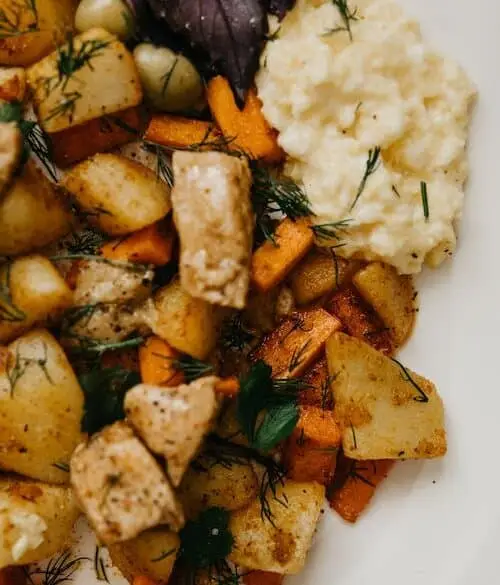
point(347, 15)
point(372, 164)
point(191, 367)
point(11, 112)
point(206, 541)
point(277, 425)
point(104, 390)
point(254, 391)
point(425, 200)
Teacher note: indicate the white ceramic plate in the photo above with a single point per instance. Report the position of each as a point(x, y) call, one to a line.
point(438, 523)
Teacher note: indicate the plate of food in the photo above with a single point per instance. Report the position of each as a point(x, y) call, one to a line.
point(246, 298)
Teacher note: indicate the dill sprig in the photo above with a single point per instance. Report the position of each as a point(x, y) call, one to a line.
point(425, 201)
point(298, 356)
point(59, 569)
point(87, 346)
point(407, 377)
point(191, 368)
point(21, 365)
point(131, 266)
point(168, 76)
point(164, 171)
point(335, 230)
point(347, 14)
point(372, 164)
point(37, 142)
point(61, 466)
point(99, 566)
point(235, 336)
point(66, 106)
point(8, 310)
point(86, 242)
point(11, 19)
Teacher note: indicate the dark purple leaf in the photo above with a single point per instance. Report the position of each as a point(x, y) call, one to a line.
point(231, 32)
point(280, 7)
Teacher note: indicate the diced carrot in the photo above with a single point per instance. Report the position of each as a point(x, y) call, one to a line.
point(156, 359)
point(177, 133)
point(12, 576)
point(354, 485)
point(151, 245)
point(311, 450)
point(228, 387)
point(360, 320)
point(142, 580)
point(262, 578)
point(247, 129)
point(271, 262)
point(296, 343)
point(12, 84)
point(100, 135)
point(128, 359)
point(317, 391)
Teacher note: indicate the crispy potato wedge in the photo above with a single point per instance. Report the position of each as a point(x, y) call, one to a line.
point(386, 410)
point(119, 195)
point(280, 546)
point(106, 83)
point(391, 295)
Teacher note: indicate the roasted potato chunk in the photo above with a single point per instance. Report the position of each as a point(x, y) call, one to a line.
point(391, 295)
point(152, 554)
point(386, 410)
point(32, 292)
point(209, 483)
point(32, 215)
point(41, 408)
point(36, 520)
point(120, 195)
point(280, 546)
point(120, 486)
point(10, 153)
point(105, 83)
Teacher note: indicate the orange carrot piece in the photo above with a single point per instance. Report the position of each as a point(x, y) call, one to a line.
point(13, 88)
point(100, 135)
point(360, 320)
point(271, 262)
point(247, 129)
point(156, 359)
point(142, 580)
point(296, 343)
point(128, 359)
point(311, 450)
point(262, 578)
point(354, 485)
point(228, 387)
point(12, 576)
point(151, 245)
point(176, 132)
point(317, 390)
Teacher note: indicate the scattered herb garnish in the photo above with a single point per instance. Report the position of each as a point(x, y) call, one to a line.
point(348, 15)
point(407, 377)
point(168, 76)
point(267, 409)
point(21, 365)
point(425, 201)
point(99, 566)
point(395, 191)
point(59, 569)
point(8, 310)
point(164, 555)
point(61, 466)
point(89, 347)
point(354, 439)
point(86, 242)
point(234, 334)
point(37, 142)
point(331, 231)
point(298, 356)
point(164, 171)
point(372, 165)
point(190, 367)
point(131, 266)
point(104, 390)
point(11, 19)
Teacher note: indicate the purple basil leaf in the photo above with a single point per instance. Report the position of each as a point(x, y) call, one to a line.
point(231, 32)
point(280, 7)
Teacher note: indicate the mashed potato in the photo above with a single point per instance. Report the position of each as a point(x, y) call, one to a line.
point(334, 100)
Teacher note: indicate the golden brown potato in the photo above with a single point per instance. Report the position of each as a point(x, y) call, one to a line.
point(31, 291)
point(386, 410)
point(208, 483)
point(391, 295)
point(41, 407)
point(280, 546)
point(120, 195)
point(39, 27)
point(187, 324)
point(36, 520)
point(11, 144)
point(32, 215)
point(107, 82)
point(151, 554)
point(319, 273)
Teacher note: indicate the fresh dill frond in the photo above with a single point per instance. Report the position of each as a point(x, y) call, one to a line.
point(298, 356)
point(347, 14)
point(372, 164)
point(99, 566)
point(61, 466)
point(164, 555)
point(168, 76)
point(8, 310)
point(164, 171)
point(66, 106)
point(425, 200)
point(407, 377)
point(335, 230)
point(60, 569)
point(235, 336)
point(21, 365)
point(271, 480)
point(11, 19)
point(87, 346)
point(191, 368)
point(38, 143)
point(87, 242)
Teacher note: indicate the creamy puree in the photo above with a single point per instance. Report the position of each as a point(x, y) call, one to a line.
point(334, 99)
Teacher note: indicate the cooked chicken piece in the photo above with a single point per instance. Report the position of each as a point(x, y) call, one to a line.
point(12, 84)
point(104, 282)
point(213, 215)
point(10, 151)
point(173, 421)
point(120, 486)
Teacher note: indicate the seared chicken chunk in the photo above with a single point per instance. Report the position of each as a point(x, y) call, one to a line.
point(10, 151)
point(213, 215)
point(173, 421)
point(121, 487)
